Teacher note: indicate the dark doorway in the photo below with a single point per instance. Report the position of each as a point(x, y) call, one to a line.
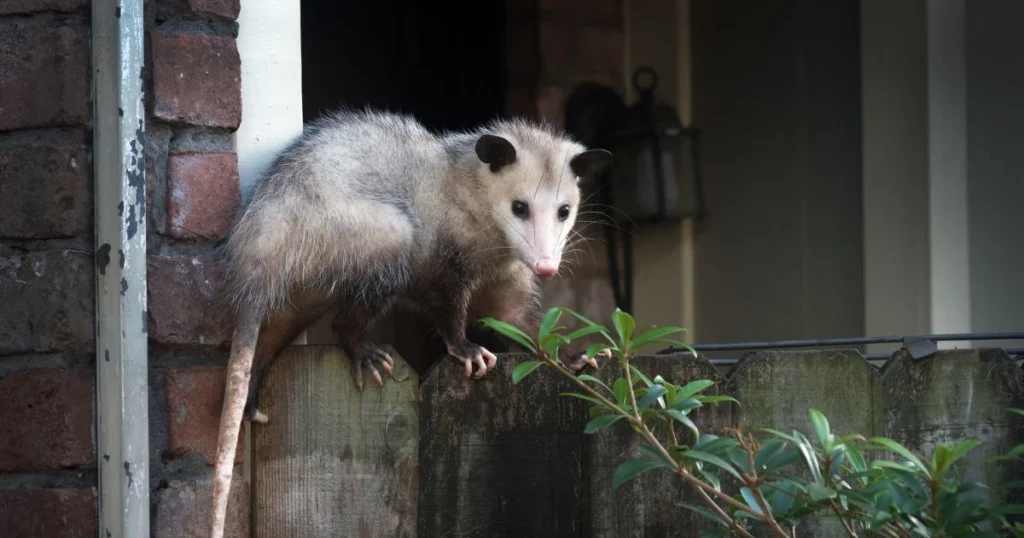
point(442, 62)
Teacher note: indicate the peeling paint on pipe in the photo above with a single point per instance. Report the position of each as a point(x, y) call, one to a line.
point(122, 416)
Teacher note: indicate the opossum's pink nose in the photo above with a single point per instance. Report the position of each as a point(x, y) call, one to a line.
point(545, 268)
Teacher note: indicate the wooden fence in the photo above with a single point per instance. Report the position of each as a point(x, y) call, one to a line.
point(450, 457)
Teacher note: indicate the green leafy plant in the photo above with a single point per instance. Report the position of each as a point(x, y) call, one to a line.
point(766, 479)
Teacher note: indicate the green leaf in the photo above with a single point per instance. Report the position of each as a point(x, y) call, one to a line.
point(621, 390)
point(893, 446)
point(782, 459)
point(594, 349)
point(687, 405)
point(552, 342)
point(685, 420)
point(585, 397)
point(511, 332)
point(713, 444)
point(600, 422)
point(1013, 453)
point(810, 457)
point(819, 492)
point(624, 325)
point(704, 512)
point(693, 387)
point(711, 479)
point(653, 393)
point(630, 469)
point(641, 375)
point(821, 428)
point(945, 455)
point(653, 336)
point(739, 458)
point(716, 399)
point(711, 459)
point(769, 448)
point(856, 459)
point(592, 379)
point(586, 331)
point(548, 322)
point(781, 497)
point(748, 496)
point(523, 369)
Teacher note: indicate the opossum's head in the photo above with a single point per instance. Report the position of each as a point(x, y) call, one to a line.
point(534, 193)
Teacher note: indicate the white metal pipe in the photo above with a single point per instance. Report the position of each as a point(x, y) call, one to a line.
point(122, 413)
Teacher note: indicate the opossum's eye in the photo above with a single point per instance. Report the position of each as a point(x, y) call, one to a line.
point(520, 209)
point(563, 212)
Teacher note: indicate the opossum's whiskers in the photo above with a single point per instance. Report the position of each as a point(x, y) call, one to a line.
point(516, 229)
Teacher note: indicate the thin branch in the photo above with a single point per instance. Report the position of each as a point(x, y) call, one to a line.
point(846, 524)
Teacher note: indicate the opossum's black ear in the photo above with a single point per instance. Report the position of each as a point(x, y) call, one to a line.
point(495, 151)
point(590, 163)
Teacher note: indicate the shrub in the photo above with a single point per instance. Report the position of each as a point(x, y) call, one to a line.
point(772, 479)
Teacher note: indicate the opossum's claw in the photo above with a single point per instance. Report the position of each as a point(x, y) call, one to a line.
point(579, 362)
point(472, 354)
point(369, 355)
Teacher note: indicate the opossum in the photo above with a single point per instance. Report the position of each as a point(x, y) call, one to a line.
point(368, 208)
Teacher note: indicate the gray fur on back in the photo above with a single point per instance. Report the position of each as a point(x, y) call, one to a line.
point(372, 193)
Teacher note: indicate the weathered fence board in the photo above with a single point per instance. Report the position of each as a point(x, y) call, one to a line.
point(778, 390)
point(333, 461)
point(647, 506)
point(487, 458)
point(498, 460)
point(956, 395)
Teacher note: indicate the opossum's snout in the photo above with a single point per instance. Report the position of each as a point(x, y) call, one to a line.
point(546, 268)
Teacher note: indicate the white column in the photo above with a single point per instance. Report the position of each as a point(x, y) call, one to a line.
point(947, 169)
point(269, 43)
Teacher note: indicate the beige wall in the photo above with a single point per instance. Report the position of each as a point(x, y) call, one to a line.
point(657, 35)
point(775, 93)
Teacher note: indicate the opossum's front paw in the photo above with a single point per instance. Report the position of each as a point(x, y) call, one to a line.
point(472, 354)
point(371, 356)
point(252, 414)
point(577, 362)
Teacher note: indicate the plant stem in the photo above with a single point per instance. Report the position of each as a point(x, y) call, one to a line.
point(702, 489)
point(721, 513)
point(590, 390)
point(846, 524)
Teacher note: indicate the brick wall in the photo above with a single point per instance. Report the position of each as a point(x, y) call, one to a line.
point(47, 378)
point(553, 45)
point(193, 89)
point(47, 364)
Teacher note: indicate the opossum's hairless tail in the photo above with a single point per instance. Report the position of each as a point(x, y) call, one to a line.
point(243, 348)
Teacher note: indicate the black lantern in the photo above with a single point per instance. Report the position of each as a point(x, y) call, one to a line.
point(655, 175)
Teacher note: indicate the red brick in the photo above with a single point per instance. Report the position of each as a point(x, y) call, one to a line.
point(46, 420)
point(183, 510)
point(20, 7)
point(184, 306)
point(196, 79)
point(53, 513)
point(46, 192)
point(49, 299)
point(44, 77)
point(202, 194)
point(194, 400)
point(227, 9)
